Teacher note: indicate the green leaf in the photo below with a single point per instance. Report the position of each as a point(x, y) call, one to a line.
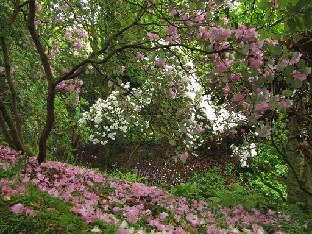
point(287, 93)
point(172, 142)
point(307, 20)
point(301, 63)
point(296, 84)
point(292, 25)
point(307, 70)
point(263, 4)
point(273, 104)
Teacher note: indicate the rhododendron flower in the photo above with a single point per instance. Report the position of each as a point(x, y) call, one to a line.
point(38, 6)
point(255, 62)
point(17, 208)
point(223, 65)
point(82, 33)
point(152, 36)
point(200, 17)
point(203, 33)
point(38, 22)
point(226, 90)
point(219, 34)
point(77, 44)
point(262, 107)
point(64, 6)
point(235, 76)
point(123, 68)
point(299, 76)
point(175, 12)
point(64, 70)
point(184, 17)
point(140, 56)
point(295, 59)
point(68, 34)
point(160, 62)
point(275, 5)
point(70, 87)
point(238, 97)
point(171, 30)
point(226, 20)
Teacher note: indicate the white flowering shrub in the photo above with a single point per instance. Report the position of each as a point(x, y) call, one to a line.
point(109, 117)
point(160, 108)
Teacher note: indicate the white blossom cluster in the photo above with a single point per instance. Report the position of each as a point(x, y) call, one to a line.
point(106, 118)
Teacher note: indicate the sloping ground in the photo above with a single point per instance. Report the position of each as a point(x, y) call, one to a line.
point(131, 207)
point(154, 162)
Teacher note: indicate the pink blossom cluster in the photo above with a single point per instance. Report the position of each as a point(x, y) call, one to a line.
point(174, 87)
point(71, 84)
point(94, 195)
point(160, 62)
point(172, 34)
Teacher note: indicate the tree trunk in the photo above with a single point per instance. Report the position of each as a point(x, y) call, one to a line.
point(299, 178)
point(13, 132)
point(48, 124)
point(5, 132)
point(7, 67)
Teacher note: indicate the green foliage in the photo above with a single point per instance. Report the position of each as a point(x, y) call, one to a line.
point(268, 173)
point(128, 176)
point(58, 218)
point(189, 190)
point(201, 186)
point(224, 188)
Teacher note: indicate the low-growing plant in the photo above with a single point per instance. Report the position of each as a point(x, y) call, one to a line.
point(129, 176)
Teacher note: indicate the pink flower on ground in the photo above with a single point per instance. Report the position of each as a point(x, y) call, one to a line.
point(17, 208)
point(123, 231)
point(193, 219)
point(163, 216)
point(30, 212)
